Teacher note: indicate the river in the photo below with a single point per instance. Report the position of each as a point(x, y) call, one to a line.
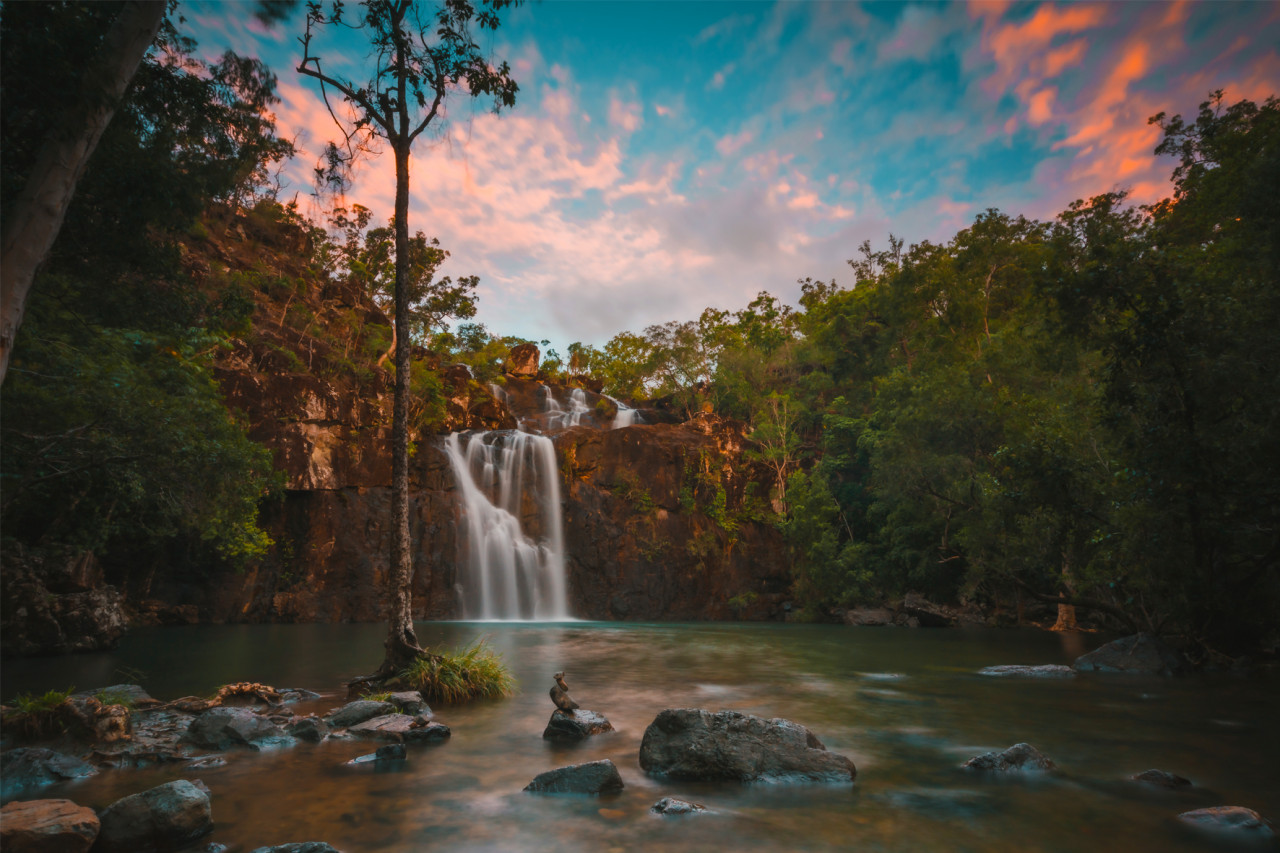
point(906, 705)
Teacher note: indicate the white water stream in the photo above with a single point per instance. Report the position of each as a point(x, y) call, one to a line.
point(511, 560)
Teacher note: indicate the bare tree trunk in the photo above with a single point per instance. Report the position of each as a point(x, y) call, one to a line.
point(37, 214)
point(402, 643)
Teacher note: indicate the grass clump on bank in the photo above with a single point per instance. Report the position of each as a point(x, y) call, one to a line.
point(476, 672)
point(36, 717)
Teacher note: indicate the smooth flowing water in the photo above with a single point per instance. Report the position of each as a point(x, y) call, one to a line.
point(907, 706)
point(511, 537)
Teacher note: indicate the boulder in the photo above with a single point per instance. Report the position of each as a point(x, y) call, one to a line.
point(594, 778)
point(868, 617)
point(47, 826)
point(56, 601)
point(1019, 758)
point(1161, 779)
point(401, 728)
point(220, 728)
point(1014, 670)
point(575, 725)
point(27, 768)
point(1139, 653)
point(689, 743)
point(928, 614)
point(299, 847)
point(354, 713)
point(1230, 820)
point(310, 728)
point(410, 702)
point(289, 695)
point(673, 806)
point(133, 695)
point(164, 818)
point(523, 360)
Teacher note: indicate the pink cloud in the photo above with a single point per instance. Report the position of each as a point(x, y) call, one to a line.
point(624, 114)
point(733, 143)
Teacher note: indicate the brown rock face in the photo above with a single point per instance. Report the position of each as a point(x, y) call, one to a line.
point(47, 826)
point(523, 360)
point(56, 602)
point(668, 522)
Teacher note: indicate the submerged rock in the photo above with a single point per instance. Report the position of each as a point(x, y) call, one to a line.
point(594, 778)
point(27, 768)
point(354, 713)
point(1019, 758)
point(220, 728)
point(673, 806)
point(47, 826)
point(299, 847)
point(689, 743)
point(1161, 779)
point(164, 818)
point(401, 728)
point(575, 725)
point(1014, 670)
point(289, 695)
point(384, 755)
point(1139, 653)
point(1231, 820)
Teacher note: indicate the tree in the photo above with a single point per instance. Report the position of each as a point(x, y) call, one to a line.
point(417, 62)
point(35, 218)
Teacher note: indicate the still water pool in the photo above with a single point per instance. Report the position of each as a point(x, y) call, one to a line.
point(906, 705)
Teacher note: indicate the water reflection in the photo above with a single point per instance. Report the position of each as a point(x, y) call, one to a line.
point(907, 706)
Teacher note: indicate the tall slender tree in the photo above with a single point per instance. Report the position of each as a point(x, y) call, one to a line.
point(419, 56)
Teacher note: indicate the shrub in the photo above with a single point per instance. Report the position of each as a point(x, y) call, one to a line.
point(37, 716)
point(476, 672)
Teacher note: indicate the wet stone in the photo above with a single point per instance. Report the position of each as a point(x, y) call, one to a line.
point(220, 728)
point(311, 729)
point(1161, 779)
point(359, 711)
point(28, 768)
point(1019, 758)
point(671, 806)
point(1233, 821)
point(55, 826)
point(400, 728)
point(166, 817)
point(592, 778)
point(575, 725)
point(299, 847)
point(410, 702)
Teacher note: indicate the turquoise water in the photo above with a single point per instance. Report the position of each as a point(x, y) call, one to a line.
point(906, 705)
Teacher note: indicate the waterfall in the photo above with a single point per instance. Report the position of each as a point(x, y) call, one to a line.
point(510, 488)
point(626, 415)
point(557, 417)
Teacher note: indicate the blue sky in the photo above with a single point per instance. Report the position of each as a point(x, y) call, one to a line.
point(664, 157)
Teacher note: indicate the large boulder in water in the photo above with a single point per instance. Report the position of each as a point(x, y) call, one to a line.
point(688, 743)
point(401, 728)
point(166, 817)
point(220, 728)
point(575, 725)
point(1139, 653)
point(47, 826)
point(27, 768)
point(594, 777)
point(1019, 758)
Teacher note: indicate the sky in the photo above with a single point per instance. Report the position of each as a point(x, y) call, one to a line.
point(664, 157)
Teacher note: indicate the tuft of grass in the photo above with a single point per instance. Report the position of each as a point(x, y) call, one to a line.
point(476, 672)
point(37, 716)
point(378, 697)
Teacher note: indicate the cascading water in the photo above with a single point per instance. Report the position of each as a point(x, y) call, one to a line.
point(557, 417)
point(506, 478)
point(626, 416)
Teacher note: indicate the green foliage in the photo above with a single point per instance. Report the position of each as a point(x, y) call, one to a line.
point(37, 716)
point(475, 672)
point(114, 697)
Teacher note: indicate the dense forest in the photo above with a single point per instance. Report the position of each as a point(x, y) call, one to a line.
point(1081, 411)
